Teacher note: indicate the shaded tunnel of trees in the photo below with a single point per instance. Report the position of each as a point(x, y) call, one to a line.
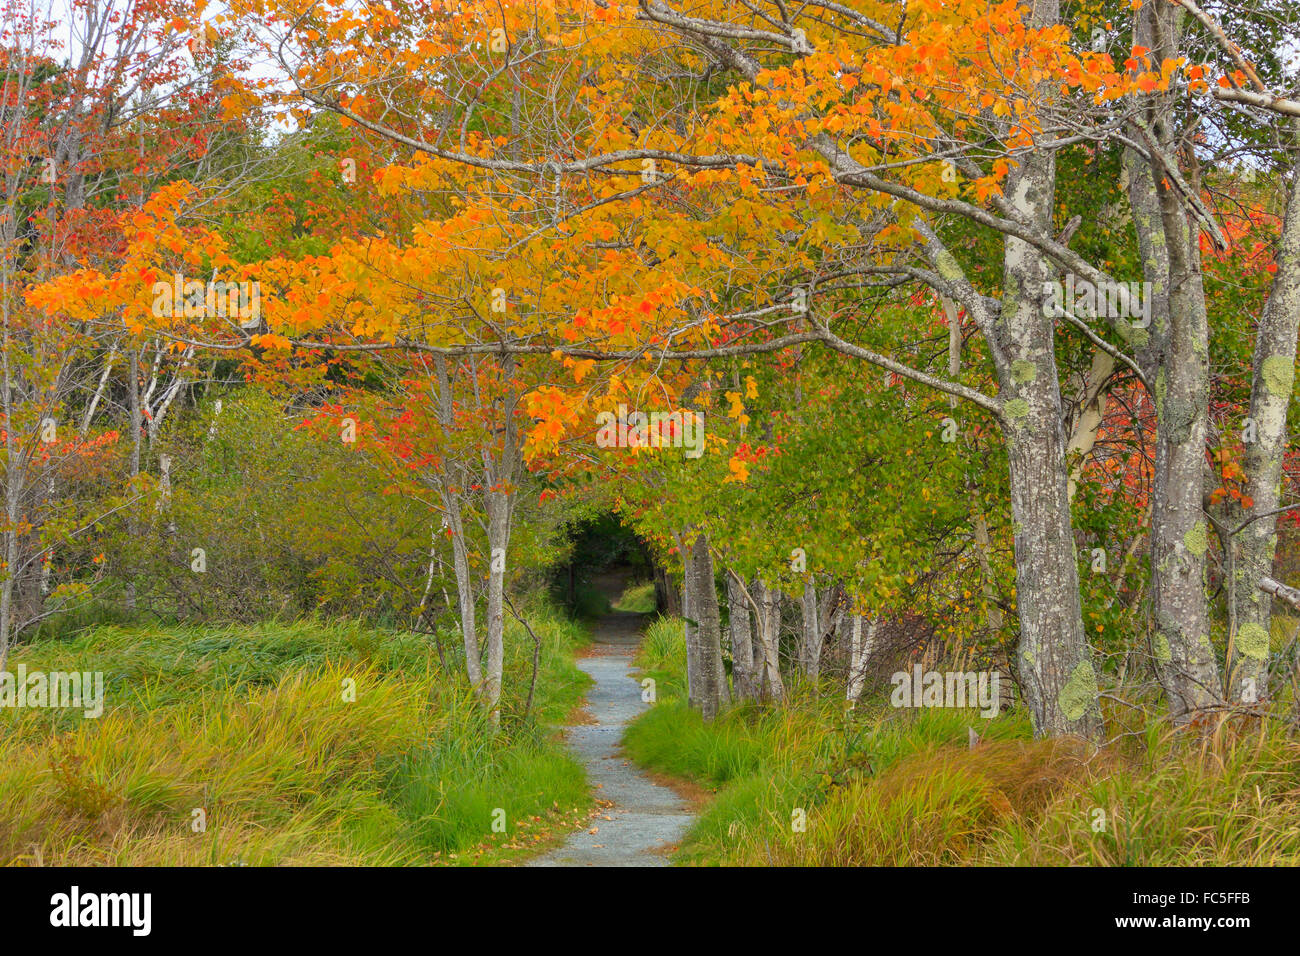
point(602, 544)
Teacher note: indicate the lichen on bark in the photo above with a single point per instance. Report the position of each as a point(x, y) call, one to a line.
point(1022, 372)
point(1279, 375)
point(1079, 694)
point(1016, 409)
point(1196, 539)
point(1252, 641)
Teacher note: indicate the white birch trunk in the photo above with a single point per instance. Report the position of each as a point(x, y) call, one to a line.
point(861, 644)
point(769, 642)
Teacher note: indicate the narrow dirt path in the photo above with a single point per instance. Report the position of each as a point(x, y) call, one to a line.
point(645, 818)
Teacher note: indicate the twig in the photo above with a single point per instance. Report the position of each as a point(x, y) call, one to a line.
point(537, 654)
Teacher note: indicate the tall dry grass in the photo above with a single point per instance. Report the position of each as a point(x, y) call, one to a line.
point(252, 733)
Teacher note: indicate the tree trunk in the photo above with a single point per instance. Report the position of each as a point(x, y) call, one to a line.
point(464, 590)
point(742, 640)
point(137, 425)
point(811, 643)
point(768, 650)
point(667, 598)
point(14, 467)
point(1179, 531)
point(705, 678)
point(498, 509)
point(861, 643)
point(448, 484)
point(499, 500)
point(1272, 383)
point(830, 608)
point(1056, 660)
point(1174, 354)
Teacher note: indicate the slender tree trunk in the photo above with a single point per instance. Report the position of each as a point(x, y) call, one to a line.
point(706, 680)
point(668, 597)
point(1056, 660)
point(47, 556)
point(464, 589)
point(1173, 354)
point(499, 502)
point(811, 644)
point(498, 509)
point(861, 644)
point(830, 608)
point(422, 610)
point(1184, 656)
point(14, 467)
point(768, 651)
point(1272, 384)
point(448, 490)
point(137, 426)
point(742, 639)
point(99, 390)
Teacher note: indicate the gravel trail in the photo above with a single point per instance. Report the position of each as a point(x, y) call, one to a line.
point(645, 817)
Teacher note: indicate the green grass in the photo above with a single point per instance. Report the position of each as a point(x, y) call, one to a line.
point(637, 598)
point(663, 652)
point(879, 786)
point(251, 726)
point(1283, 630)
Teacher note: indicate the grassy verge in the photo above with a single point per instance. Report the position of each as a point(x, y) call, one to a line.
point(309, 743)
point(808, 784)
point(637, 599)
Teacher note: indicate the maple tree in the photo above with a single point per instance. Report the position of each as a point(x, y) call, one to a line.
point(801, 136)
point(568, 207)
point(71, 121)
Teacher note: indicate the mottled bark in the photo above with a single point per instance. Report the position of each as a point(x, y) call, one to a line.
point(464, 589)
point(448, 489)
point(1179, 530)
point(1174, 355)
point(667, 597)
point(1060, 683)
point(705, 677)
point(768, 650)
point(498, 509)
point(1272, 384)
point(740, 632)
point(137, 419)
point(810, 644)
point(499, 471)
